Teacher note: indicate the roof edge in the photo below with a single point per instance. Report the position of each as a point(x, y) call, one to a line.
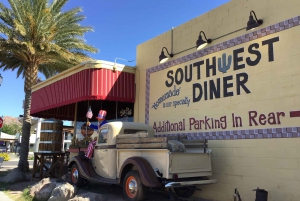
point(83, 66)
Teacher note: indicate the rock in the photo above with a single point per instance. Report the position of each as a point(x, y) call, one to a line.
point(63, 192)
point(43, 189)
point(89, 197)
point(15, 176)
point(66, 178)
point(175, 146)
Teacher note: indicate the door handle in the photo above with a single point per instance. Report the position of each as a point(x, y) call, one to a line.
point(105, 150)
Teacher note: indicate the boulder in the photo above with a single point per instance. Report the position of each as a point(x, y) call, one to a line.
point(63, 192)
point(66, 177)
point(88, 197)
point(15, 176)
point(43, 189)
point(176, 146)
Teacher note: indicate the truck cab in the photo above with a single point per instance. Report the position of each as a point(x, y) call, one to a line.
point(105, 152)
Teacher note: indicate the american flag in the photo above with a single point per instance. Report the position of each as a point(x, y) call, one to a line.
point(90, 149)
point(89, 113)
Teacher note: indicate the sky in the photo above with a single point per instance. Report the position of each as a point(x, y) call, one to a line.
point(119, 27)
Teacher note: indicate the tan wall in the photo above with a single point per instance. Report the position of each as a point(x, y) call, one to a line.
point(270, 164)
point(270, 160)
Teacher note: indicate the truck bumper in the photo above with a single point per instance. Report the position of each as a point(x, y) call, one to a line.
point(190, 183)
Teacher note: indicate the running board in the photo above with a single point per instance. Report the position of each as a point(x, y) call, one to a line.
point(89, 173)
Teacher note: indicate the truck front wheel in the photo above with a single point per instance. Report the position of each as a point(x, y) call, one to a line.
point(75, 176)
point(133, 187)
point(185, 192)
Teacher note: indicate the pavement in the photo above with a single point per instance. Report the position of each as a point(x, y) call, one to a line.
point(4, 197)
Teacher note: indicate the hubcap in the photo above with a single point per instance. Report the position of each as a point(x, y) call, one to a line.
point(75, 175)
point(131, 187)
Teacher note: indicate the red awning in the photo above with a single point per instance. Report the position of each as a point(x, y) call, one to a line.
point(88, 84)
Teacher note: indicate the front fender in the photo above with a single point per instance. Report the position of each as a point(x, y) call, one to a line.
point(148, 176)
point(83, 166)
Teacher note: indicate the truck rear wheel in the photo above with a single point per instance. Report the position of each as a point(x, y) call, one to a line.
point(185, 192)
point(75, 176)
point(133, 187)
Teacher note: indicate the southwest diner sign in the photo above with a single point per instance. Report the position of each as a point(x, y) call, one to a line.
point(212, 89)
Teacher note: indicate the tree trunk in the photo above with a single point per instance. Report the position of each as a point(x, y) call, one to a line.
point(30, 79)
point(24, 150)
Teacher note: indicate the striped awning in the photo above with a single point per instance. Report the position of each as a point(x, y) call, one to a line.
point(57, 99)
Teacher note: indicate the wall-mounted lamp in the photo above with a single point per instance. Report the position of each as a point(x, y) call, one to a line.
point(252, 24)
point(200, 42)
point(114, 67)
point(162, 57)
point(1, 79)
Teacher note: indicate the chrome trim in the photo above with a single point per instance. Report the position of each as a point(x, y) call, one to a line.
point(190, 183)
point(132, 186)
point(75, 174)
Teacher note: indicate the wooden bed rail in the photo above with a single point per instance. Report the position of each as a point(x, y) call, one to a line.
point(141, 141)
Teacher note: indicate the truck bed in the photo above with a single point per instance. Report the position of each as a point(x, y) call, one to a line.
point(186, 164)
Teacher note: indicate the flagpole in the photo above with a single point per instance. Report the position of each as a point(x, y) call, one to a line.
point(89, 115)
point(86, 134)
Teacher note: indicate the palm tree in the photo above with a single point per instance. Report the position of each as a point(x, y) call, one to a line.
point(37, 36)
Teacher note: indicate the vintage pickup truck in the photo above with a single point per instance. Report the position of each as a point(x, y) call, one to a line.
point(129, 154)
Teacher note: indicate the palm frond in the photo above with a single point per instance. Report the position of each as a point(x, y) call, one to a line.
point(38, 33)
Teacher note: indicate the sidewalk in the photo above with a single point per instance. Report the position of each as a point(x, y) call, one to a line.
point(6, 166)
point(4, 197)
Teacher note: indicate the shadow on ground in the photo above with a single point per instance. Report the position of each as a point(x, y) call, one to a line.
point(111, 192)
point(115, 192)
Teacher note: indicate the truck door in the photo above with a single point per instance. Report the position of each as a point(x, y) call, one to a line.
point(101, 153)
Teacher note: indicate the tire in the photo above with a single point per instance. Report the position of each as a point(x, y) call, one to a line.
point(185, 192)
point(133, 187)
point(76, 177)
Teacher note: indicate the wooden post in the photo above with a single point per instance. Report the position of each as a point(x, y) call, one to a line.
point(62, 157)
point(34, 165)
point(75, 121)
point(41, 166)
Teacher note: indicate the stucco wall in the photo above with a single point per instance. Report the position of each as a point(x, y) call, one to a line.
point(255, 108)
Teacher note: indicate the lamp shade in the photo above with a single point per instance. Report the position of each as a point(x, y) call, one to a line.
point(162, 57)
point(200, 43)
point(253, 23)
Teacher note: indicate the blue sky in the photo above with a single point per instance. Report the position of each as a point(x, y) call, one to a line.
point(119, 26)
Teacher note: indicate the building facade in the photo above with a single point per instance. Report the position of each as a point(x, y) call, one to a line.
point(241, 92)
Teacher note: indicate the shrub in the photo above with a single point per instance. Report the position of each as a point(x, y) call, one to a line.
point(30, 157)
point(5, 156)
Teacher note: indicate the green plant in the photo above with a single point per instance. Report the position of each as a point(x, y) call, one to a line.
point(26, 196)
point(30, 157)
point(11, 129)
point(5, 156)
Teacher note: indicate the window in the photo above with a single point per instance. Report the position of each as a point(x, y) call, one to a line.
point(103, 136)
